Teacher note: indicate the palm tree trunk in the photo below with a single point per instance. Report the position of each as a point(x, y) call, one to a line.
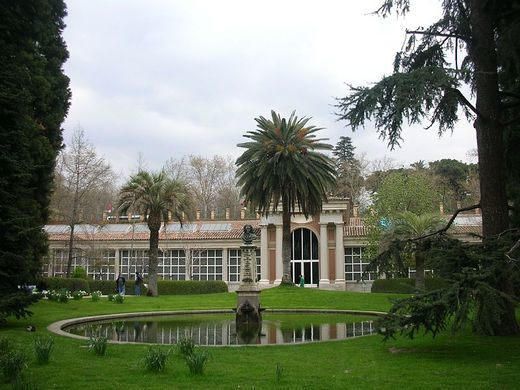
point(154, 224)
point(286, 242)
point(419, 272)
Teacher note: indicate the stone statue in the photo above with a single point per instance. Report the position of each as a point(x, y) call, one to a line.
point(248, 235)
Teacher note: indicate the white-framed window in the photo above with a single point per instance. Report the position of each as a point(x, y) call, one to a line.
point(56, 263)
point(355, 266)
point(207, 264)
point(132, 261)
point(172, 264)
point(234, 265)
point(102, 267)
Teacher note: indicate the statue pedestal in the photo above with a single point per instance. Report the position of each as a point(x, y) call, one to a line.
point(248, 294)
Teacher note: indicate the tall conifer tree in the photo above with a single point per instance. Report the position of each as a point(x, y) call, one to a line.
point(34, 99)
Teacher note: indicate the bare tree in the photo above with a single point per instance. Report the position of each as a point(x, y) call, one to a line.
point(83, 172)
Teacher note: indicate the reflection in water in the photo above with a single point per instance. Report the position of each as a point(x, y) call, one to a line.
point(221, 329)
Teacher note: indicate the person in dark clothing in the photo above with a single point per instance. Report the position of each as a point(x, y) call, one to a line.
point(138, 283)
point(120, 284)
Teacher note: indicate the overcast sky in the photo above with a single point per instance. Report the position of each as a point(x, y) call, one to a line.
point(172, 78)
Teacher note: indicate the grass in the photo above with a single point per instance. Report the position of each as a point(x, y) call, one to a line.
point(446, 362)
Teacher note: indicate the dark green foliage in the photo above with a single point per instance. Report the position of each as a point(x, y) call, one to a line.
point(71, 284)
point(405, 285)
point(282, 161)
point(34, 99)
point(155, 359)
point(185, 346)
point(190, 287)
point(166, 287)
point(474, 292)
point(196, 361)
point(16, 303)
point(42, 349)
point(13, 363)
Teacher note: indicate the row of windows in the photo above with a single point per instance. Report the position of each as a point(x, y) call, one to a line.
point(172, 264)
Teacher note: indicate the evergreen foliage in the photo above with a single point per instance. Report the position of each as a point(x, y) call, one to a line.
point(34, 99)
point(425, 85)
point(349, 179)
point(474, 294)
point(282, 164)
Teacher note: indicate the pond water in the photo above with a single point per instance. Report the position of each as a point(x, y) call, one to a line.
point(221, 330)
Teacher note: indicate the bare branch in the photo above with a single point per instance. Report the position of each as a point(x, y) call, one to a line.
point(437, 34)
point(448, 225)
point(513, 248)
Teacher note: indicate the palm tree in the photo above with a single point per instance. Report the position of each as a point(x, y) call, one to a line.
point(281, 164)
point(408, 226)
point(154, 195)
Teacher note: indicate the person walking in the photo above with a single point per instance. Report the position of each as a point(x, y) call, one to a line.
point(120, 284)
point(138, 283)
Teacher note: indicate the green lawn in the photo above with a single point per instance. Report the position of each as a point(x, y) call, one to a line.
point(448, 361)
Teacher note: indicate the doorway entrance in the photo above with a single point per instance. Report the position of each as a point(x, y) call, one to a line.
point(304, 257)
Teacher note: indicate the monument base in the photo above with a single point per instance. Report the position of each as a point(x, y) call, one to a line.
point(248, 305)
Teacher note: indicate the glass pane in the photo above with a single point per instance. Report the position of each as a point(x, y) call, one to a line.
point(315, 255)
point(306, 244)
point(297, 239)
point(307, 272)
point(315, 273)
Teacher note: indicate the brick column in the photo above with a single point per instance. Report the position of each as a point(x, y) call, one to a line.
point(279, 262)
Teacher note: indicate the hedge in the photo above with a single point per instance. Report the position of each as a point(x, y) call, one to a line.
point(405, 285)
point(166, 287)
point(71, 284)
point(190, 287)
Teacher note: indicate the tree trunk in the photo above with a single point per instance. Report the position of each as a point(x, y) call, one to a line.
point(489, 131)
point(495, 218)
point(71, 248)
point(419, 272)
point(154, 224)
point(286, 242)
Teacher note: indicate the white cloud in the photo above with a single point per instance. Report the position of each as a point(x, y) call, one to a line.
point(169, 78)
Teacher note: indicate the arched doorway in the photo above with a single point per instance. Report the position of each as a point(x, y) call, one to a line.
point(304, 257)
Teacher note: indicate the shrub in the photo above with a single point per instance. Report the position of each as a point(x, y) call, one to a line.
point(78, 295)
point(43, 348)
point(79, 273)
point(71, 284)
point(97, 343)
point(196, 362)
point(405, 285)
point(96, 296)
point(155, 359)
point(13, 363)
point(110, 297)
point(21, 383)
point(185, 346)
point(105, 286)
point(119, 298)
point(190, 287)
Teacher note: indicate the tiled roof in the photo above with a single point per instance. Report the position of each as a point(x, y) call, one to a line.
point(194, 231)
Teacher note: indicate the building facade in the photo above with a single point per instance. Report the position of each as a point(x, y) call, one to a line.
point(327, 249)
